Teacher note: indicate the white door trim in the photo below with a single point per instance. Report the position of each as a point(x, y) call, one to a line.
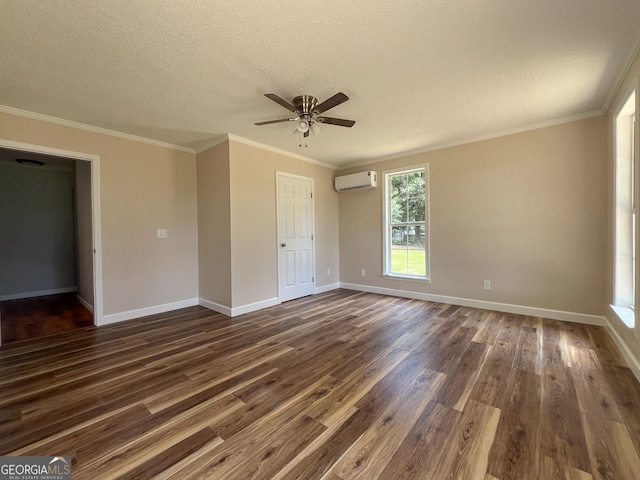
point(95, 209)
point(313, 222)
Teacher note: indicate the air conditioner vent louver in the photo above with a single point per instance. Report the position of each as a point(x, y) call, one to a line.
point(356, 181)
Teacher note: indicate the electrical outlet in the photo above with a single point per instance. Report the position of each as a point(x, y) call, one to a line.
point(362, 272)
point(487, 284)
point(328, 272)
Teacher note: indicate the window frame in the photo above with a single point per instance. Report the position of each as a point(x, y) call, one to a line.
point(626, 140)
point(386, 227)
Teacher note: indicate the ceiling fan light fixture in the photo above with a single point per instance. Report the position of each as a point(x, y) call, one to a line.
point(315, 128)
point(302, 126)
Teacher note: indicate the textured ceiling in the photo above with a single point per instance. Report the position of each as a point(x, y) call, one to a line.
point(419, 74)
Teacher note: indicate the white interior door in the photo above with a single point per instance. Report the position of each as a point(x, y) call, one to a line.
point(296, 264)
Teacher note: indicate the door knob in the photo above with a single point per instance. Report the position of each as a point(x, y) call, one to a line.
point(283, 245)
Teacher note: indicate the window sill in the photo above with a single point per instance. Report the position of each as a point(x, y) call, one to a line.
point(389, 276)
point(625, 314)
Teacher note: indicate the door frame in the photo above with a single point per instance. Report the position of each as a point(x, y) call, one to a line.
point(313, 222)
point(95, 211)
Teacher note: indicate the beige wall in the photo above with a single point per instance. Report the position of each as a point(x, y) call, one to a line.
point(525, 211)
point(214, 225)
point(142, 188)
point(253, 221)
point(628, 335)
point(228, 192)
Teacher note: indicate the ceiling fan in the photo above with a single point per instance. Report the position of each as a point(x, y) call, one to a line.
point(308, 112)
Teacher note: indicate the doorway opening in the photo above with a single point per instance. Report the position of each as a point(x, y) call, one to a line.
point(51, 278)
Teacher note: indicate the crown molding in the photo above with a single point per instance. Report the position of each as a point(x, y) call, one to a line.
point(465, 141)
point(212, 143)
point(269, 148)
point(91, 128)
point(157, 143)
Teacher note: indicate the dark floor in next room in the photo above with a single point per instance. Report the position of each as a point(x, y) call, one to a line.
point(35, 317)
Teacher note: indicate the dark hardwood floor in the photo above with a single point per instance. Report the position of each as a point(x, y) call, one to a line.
point(35, 317)
point(338, 386)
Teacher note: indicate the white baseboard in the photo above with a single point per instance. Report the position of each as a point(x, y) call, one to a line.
point(326, 288)
point(235, 311)
point(216, 307)
point(41, 293)
point(468, 302)
point(84, 303)
point(143, 312)
point(252, 307)
point(628, 355)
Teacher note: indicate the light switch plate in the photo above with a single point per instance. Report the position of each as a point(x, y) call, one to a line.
point(162, 233)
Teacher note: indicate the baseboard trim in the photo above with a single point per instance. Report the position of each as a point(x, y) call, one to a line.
point(216, 307)
point(40, 293)
point(468, 302)
point(628, 355)
point(326, 288)
point(235, 311)
point(84, 303)
point(143, 312)
point(252, 307)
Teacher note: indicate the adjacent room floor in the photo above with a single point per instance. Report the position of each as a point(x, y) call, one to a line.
point(30, 318)
point(338, 386)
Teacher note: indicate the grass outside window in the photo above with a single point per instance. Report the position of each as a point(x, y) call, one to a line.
point(407, 261)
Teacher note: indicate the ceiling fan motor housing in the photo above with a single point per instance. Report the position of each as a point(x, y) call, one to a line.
point(305, 104)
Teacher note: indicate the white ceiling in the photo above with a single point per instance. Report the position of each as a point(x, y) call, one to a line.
point(420, 74)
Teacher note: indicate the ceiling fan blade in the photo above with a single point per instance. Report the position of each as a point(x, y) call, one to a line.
point(281, 101)
point(276, 121)
point(341, 122)
point(334, 101)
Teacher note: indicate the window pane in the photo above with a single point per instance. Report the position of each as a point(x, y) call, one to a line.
point(415, 209)
point(415, 185)
point(408, 251)
point(408, 197)
point(416, 236)
point(399, 236)
point(398, 198)
point(399, 183)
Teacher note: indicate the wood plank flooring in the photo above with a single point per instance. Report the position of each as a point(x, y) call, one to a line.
point(339, 386)
point(29, 318)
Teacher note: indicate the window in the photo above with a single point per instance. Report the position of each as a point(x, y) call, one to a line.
point(625, 212)
point(406, 233)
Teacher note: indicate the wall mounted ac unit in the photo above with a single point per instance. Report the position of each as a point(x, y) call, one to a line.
point(356, 181)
